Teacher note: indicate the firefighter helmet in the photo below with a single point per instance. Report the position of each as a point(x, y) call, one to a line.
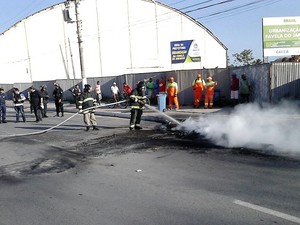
point(87, 87)
point(140, 84)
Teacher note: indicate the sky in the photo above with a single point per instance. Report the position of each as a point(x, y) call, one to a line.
point(236, 23)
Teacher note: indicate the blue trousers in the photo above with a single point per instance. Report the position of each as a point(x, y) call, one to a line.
point(2, 112)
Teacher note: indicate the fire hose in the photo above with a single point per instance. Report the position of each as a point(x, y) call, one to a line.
point(59, 124)
point(75, 114)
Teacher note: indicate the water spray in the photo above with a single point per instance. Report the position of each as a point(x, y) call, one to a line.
point(164, 115)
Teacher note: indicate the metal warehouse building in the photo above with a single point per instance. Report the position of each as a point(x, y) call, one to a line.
point(95, 38)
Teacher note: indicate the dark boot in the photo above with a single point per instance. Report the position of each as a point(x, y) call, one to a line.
point(87, 128)
point(138, 128)
point(95, 128)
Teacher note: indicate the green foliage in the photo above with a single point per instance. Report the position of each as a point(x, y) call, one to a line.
point(245, 58)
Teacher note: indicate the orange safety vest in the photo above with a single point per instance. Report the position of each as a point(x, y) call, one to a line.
point(198, 84)
point(210, 87)
point(172, 88)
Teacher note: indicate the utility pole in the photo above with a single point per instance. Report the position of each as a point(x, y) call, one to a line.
point(78, 32)
point(79, 39)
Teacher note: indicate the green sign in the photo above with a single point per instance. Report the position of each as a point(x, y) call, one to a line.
point(281, 36)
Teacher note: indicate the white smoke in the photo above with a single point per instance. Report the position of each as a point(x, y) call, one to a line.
point(275, 128)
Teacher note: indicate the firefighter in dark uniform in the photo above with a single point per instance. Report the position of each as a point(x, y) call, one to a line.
point(58, 97)
point(37, 102)
point(86, 106)
point(138, 101)
point(45, 96)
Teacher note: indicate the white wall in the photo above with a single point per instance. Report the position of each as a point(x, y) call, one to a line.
point(131, 38)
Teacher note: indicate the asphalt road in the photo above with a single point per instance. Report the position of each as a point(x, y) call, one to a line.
point(114, 176)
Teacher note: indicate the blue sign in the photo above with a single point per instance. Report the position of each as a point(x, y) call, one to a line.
point(185, 52)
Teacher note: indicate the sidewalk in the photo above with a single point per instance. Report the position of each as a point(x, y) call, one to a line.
point(150, 114)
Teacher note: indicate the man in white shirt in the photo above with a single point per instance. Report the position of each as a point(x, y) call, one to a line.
point(115, 91)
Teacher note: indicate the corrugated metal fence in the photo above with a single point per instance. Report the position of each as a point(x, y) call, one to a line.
point(285, 81)
point(269, 82)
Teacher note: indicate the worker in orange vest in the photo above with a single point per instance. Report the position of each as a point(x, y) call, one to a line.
point(198, 86)
point(172, 90)
point(210, 91)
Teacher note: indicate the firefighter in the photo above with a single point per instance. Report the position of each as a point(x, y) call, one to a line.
point(86, 106)
point(209, 95)
point(37, 103)
point(198, 86)
point(172, 90)
point(45, 96)
point(138, 101)
point(76, 92)
point(58, 97)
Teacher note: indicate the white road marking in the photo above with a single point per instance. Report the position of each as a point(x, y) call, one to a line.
point(268, 211)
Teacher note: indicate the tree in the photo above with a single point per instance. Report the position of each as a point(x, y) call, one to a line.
point(245, 58)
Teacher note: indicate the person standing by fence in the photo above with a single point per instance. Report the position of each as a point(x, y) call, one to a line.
point(115, 91)
point(18, 100)
point(98, 93)
point(162, 85)
point(76, 92)
point(244, 89)
point(234, 90)
point(150, 89)
point(126, 89)
point(198, 86)
point(209, 94)
point(172, 90)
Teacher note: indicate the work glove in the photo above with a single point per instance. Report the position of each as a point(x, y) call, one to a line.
point(142, 103)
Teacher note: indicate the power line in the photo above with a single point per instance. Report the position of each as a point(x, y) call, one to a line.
point(163, 17)
point(208, 6)
point(239, 9)
point(175, 3)
point(201, 3)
